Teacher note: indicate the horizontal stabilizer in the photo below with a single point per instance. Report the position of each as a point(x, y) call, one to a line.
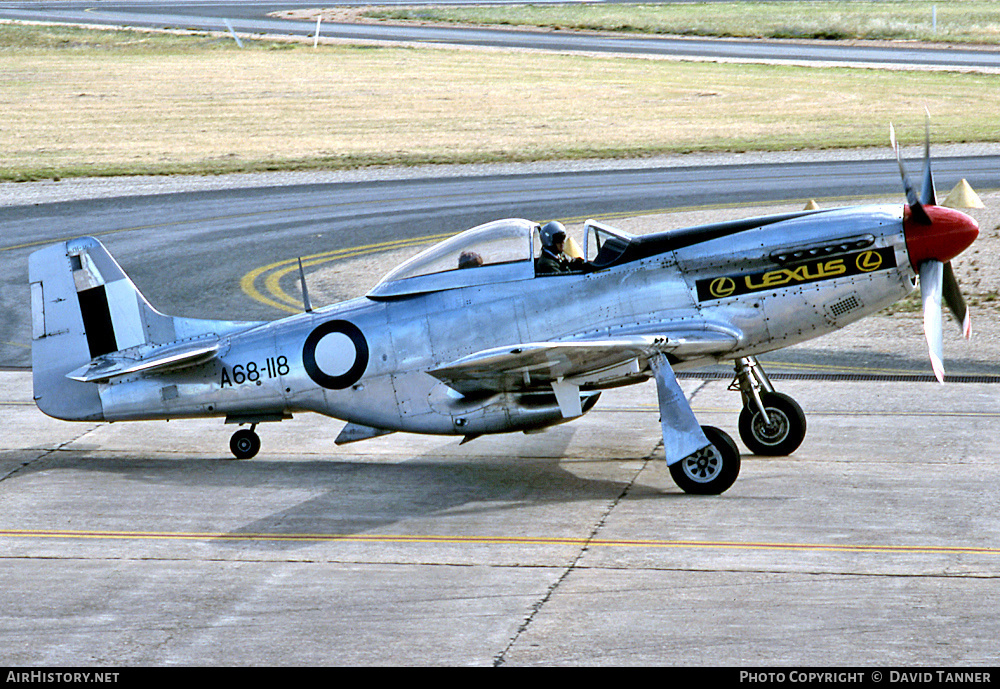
point(160, 359)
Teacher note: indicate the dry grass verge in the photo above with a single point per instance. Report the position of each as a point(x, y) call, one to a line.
point(958, 21)
point(89, 106)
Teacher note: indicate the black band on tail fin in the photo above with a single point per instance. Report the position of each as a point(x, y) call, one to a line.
point(97, 321)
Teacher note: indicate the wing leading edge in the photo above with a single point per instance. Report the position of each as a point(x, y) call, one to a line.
point(593, 363)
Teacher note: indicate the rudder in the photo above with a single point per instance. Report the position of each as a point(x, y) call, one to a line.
point(83, 306)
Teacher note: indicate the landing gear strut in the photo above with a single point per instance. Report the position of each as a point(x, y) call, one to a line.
point(245, 443)
point(771, 423)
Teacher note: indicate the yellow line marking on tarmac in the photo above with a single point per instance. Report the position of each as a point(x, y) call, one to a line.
point(777, 365)
point(843, 412)
point(500, 540)
point(971, 414)
point(273, 272)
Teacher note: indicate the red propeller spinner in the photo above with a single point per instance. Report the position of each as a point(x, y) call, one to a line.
point(949, 233)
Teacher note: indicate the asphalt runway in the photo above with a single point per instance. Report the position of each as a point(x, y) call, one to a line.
point(143, 544)
point(875, 546)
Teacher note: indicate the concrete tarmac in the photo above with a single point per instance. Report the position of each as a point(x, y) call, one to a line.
point(875, 545)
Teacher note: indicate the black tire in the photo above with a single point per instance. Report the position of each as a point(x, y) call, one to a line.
point(711, 470)
point(783, 436)
point(244, 444)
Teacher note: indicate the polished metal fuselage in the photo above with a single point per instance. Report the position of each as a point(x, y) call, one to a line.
point(762, 286)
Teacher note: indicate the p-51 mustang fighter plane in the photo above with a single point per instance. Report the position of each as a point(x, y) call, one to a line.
point(471, 337)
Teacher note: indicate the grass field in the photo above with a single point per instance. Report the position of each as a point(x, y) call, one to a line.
point(76, 102)
point(955, 21)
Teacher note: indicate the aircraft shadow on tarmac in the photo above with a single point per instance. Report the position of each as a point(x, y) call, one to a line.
point(355, 497)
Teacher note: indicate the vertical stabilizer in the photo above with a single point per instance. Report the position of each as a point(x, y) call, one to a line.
point(83, 306)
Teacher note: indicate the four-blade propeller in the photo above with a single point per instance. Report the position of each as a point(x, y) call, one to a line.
point(935, 235)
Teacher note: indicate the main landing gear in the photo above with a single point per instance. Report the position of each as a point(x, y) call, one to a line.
point(245, 443)
point(711, 470)
point(771, 423)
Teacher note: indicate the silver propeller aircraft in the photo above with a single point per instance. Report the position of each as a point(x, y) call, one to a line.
point(466, 339)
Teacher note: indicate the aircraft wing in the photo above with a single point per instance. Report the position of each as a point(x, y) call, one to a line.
point(162, 358)
point(564, 367)
point(595, 363)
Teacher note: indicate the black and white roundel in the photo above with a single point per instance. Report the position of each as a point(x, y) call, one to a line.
point(335, 354)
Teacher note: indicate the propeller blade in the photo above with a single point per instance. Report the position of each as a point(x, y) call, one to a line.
point(916, 209)
point(927, 195)
point(955, 301)
point(931, 281)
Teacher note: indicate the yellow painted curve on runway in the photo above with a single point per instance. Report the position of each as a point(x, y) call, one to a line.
point(272, 273)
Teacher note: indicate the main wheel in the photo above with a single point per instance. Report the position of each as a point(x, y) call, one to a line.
point(244, 444)
point(785, 432)
point(711, 470)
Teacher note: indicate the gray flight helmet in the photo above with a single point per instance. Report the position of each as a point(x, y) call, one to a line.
point(551, 232)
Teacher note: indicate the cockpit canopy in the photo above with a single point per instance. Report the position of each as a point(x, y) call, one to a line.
point(499, 251)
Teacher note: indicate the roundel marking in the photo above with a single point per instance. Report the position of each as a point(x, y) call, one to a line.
point(868, 261)
point(335, 354)
point(722, 287)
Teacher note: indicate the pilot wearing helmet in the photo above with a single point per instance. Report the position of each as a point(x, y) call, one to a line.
point(554, 259)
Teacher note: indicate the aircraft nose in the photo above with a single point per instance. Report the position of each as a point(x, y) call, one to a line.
point(950, 233)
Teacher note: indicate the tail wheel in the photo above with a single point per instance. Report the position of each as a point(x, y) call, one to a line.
point(784, 432)
point(711, 470)
point(244, 444)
